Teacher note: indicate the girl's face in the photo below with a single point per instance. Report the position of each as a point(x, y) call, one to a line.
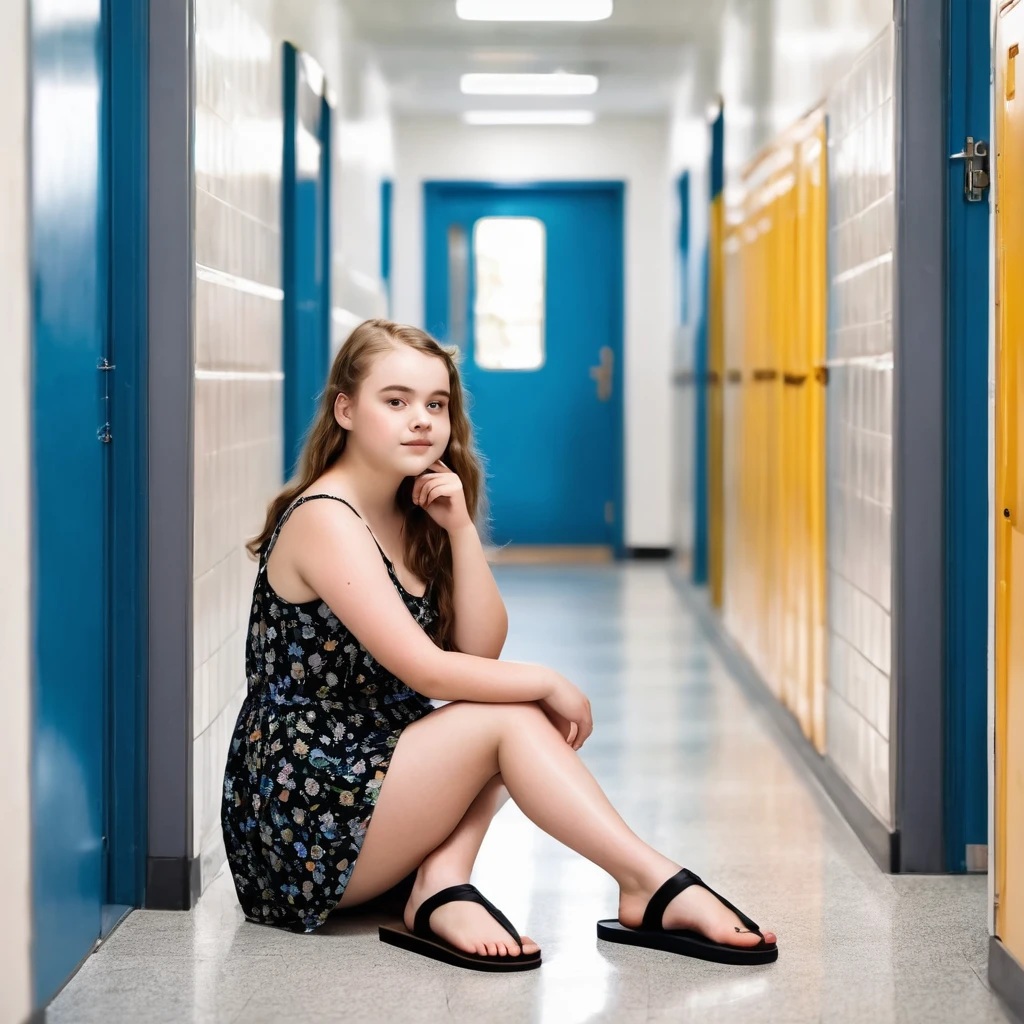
point(399, 418)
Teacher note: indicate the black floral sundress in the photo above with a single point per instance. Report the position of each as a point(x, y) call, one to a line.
point(312, 742)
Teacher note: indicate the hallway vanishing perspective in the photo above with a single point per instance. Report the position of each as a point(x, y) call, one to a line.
point(729, 296)
point(698, 769)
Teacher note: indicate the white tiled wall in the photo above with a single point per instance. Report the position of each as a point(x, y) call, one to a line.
point(859, 466)
point(238, 387)
point(15, 605)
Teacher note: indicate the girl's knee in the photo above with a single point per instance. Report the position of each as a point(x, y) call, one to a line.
point(520, 714)
point(526, 710)
point(524, 716)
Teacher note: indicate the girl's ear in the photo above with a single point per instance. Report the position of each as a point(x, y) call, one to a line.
point(342, 411)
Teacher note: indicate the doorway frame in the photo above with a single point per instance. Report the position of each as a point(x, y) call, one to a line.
point(128, 101)
point(435, 294)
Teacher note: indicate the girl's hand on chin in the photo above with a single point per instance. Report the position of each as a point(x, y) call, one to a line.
point(439, 491)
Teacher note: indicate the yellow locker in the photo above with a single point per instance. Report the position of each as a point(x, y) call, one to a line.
point(813, 176)
point(775, 273)
point(788, 562)
point(733, 553)
point(1009, 752)
point(716, 369)
point(754, 310)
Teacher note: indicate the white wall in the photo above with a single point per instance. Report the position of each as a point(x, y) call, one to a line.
point(634, 151)
point(778, 60)
point(859, 469)
point(238, 390)
point(15, 540)
point(689, 151)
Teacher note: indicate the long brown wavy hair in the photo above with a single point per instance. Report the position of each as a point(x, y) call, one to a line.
point(427, 551)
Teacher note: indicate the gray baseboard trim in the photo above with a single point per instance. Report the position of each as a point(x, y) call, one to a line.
point(649, 553)
point(1006, 976)
point(883, 845)
point(172, 883)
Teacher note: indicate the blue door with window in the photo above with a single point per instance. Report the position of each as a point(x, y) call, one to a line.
point(528, 281)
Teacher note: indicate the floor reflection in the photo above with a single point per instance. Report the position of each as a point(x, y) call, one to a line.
point(695, 770)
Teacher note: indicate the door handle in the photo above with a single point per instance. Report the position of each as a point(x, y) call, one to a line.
point(604, 373)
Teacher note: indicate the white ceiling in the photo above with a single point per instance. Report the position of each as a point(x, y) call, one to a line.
point(639, 53)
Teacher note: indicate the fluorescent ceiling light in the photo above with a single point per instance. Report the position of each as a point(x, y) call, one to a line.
point(480, 117)
point(559, 84)
point(533, 10)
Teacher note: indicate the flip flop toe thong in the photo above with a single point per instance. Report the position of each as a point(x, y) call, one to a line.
point(423, 940)
point(653, 935)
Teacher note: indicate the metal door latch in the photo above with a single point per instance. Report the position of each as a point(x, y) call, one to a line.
point(976, 169)
point(104, 434)
point(603, 373)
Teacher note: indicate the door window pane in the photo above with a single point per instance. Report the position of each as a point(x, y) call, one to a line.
point(509, 257)
point(458, 273)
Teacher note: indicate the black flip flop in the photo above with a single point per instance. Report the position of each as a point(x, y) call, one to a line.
point(424, 941)
point(653, 935)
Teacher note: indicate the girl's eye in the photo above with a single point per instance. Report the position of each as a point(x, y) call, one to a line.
point(391, 401)
point(440, 405)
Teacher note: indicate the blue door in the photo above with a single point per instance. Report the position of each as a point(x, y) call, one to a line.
point(386, 201)
point(306, 246)
point(70, 260)
point(966, 782)
point(528, 281)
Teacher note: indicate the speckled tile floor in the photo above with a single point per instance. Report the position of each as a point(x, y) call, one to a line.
point(694, 769)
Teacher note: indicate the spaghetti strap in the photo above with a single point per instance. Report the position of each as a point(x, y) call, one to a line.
point(312, 497)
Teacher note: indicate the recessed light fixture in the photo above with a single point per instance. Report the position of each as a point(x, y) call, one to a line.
point(558, 84)
point(505, 117)
point(533, 10)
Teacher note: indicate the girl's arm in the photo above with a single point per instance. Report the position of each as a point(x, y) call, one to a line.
point(337, 558)
point(481, 622)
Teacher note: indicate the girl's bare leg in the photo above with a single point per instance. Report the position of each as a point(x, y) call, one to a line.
point(452, 864)
point(443, 763)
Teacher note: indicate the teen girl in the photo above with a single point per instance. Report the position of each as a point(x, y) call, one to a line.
point(373, 596)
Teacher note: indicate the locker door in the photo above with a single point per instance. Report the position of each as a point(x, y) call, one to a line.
point(816, 229)
point(1009, 807)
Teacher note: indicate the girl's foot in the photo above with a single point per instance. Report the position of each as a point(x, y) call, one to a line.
point(467, 926)
point(695, 909)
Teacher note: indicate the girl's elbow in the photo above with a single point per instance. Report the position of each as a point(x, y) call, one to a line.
point(430, 679)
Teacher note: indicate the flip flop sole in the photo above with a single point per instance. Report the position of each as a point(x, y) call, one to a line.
point(685, 944)
point(448, 954)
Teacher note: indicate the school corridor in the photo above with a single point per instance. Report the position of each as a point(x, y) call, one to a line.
point(699, 769)
point(736, 293)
